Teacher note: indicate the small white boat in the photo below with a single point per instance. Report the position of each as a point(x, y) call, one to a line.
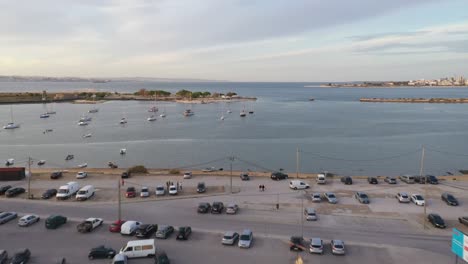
point(11, 126)
point(83, 123)
point(163, 115)
point(93, 111)
point(83, 165)
point(123, 151)
point(85, 119)
point(123, 121)
point(242, 113)
point(41, 162)
point(45, 115)
point(87, 135)
point(188, 112)
point(221, 118)
point(9, 162)
point(229, 111)
point(151, 118)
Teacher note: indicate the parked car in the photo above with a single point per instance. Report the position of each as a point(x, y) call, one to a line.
point(146, 231)
point(89, 225)
point(129, 227)
point(338, 247)
point(209, 169)
point(232, 208)
point(362, 197)
point(316, 197)
point(347, 180)
point(164, 231)
point(120, 259)
point(316, 246)
point(115, 226)
point(296, 243)
point(403, 197)
point(81, 175)
point(14, 191)
point(420, 179)
point(310, 214)
point(278, 176)
point(463, 220)
point(184, 233)
point(125, 175)
point(56, 174)
point(55, 221)
point(390, 180)
point(5, 188)
point(21, 257)
point(245, 239)
point(3, 256)
point(201, 188)
point(6, 217)
point(101, 252)
point(131, 192)
point(188, 175)
point(173, 190)
point(217, 208)
point(331, 198)
point(436, 220)
point(160, 190)
point(28, 220)
point(144, 192)
point(204, 208)
point(417, 199)
point(245, 176)
point(230, 238)
point(449, 199)
point(298, 185)
point(431, 179)
point(161, 258)
point(49, 193)
point(372, 180)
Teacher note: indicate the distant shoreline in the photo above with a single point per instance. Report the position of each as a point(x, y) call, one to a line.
point(385, 86)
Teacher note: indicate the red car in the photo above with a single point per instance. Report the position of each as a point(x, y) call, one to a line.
point(115, 227)
point(131, 192)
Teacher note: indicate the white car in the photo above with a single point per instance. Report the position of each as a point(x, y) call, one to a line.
point(210, 169)
point(316, 197)
point(28, 220)
point(298, 185)
point(160, 190)
point(172, 190)
point(418, 199)
point(403, 197)
point(188, 175)
point(81, 175)
point(144, 192)
point(245, 239)
point(129, 227)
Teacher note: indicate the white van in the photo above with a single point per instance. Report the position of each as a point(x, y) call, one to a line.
point(67, 191)
point(129, 227)
point(298, 185)
point(85, 193)
point(407, 178)
point(139, 248)
point(321, 179)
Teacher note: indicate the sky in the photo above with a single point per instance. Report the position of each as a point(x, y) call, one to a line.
point(236, 40)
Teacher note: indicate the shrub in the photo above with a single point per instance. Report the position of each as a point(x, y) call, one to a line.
point(138, 169)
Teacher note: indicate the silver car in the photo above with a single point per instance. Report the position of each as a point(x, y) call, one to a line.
point(230, 238)
point(7, 216)
point(120, 259)
point(403, 197)
point(316, 197)
point(28, 220)
point(160, 190)
point(331, 197)
point(245, 240)
point(316, 246)
point(232, 209)
point(338, 247)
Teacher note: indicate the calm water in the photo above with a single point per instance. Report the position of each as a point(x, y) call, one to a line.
point(335, 132)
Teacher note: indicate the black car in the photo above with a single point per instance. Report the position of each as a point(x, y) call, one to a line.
point(164, 231)
point(372, 180)
point(347, 180)
point(125, 175)
point(49, 193)
point(14, 192)
point(55, 175)
point(436, 220)
point(3, 189)
point(184, 233)
point(204, 208)
point(278, 176)
point(245, 177)
point(217, 208)
point(101, 252)
point(390, 180)
point(420, 179)
point(201, 188)
point(432, 179)
point(161, 258)
point(21, 257)
point(449, 199)
point(145, 231)
point(296, 243)
point(463, 220)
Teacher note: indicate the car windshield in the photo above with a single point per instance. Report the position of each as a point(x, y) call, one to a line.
point(82, 192)
point(245, 237)
point(450, 197)
point(331, 195)
point(228, 236)
point(63, 191)
point(438, 219)
point(338, 246)
point(160, 188)
point(419, 197)
point(363, 195)
point(404, 195)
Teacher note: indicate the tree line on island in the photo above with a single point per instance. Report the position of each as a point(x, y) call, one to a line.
point(182, 93)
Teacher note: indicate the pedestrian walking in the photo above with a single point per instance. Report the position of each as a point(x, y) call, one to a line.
point(260, 188)
point(177, 185)
point(180, 186)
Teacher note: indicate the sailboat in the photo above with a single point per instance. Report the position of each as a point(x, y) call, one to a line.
point(45, 115)
point(188, 112)
point(151, 118)
point(123, 121)
point(94, 109)
point(87, 135)
point(163, 114)
point(50, 111)
point(251, 111)
point(12, 124)
point(243, 113)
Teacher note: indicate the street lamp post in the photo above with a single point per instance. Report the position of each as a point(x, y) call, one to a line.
point(231, 159)
point(302, 217)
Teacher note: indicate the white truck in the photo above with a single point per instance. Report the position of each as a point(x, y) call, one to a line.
point(89, 225)
point(85, 193)
point(67, 191)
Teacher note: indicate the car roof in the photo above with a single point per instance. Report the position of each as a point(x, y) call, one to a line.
point(229, 233)
point(246, 232)
point(315, 240)
point(231, 205)
point(337, 241)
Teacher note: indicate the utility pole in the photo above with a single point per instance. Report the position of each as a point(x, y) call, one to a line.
point(120, 206)
point(297, 163)
point(302, 217)
point(231, 159)
point(29, 178)
point(421, 170)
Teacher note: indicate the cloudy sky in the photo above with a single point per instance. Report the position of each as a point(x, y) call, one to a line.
point(237, 40)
